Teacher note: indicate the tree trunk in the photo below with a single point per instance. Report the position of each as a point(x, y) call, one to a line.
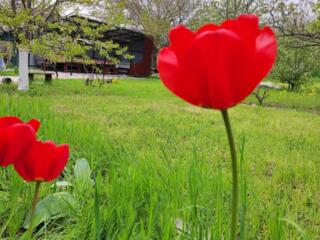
point(28, 32)
point(71, 65)
point(291, 86)
point(14, 6)
point(104, 68)
point(56, 70)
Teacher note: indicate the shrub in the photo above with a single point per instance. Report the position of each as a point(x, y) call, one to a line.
point(295, 64)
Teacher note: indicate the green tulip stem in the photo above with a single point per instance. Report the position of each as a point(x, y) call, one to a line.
point(33, 208)
point(235, 188)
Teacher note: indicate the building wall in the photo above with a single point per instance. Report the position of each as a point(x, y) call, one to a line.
point(142, 68)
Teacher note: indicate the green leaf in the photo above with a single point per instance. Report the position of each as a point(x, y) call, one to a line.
point(97, 211)
point(82, 172)
point(296, 226)
point(54, 206)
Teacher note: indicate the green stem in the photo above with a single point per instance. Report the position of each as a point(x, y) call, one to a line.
point(33, 208)
point(235, 189)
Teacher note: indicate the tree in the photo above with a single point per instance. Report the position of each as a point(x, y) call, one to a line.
point(296, 19)
point(88, 35)
point(41, 26)
point(6, 51)
point(261, 95)
point(26, 19)
point(298, 28)
point(294, 64)
point(218, 10)
point(70, 40)
point(157, 16)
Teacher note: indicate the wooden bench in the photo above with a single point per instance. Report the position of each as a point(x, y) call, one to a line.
point(47, 76)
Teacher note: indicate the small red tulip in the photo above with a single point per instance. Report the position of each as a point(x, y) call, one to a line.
point(44, 162)
point(16, 138)
point(217, 66)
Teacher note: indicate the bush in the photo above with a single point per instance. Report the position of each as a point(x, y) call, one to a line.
point(294, 77)
point(261, 95)
point(295, 65)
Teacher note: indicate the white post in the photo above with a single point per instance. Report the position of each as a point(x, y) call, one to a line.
point(23, 69)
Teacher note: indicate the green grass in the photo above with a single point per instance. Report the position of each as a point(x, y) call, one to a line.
point(307, 101)
point(9, 73)
point(162, 167)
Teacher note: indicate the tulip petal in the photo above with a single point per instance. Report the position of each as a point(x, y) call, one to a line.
point(22, 168)
point(246, 23)
point(217, 66)
point(168, 68)
point(61, 158)
point(247, 27)
point(20, 138)
point(44, 162)
point(215, 55)
point(266, 52)
point(207, 27)
point(3, 147)
point(249, 22)
point(27, 166)
point(35, 124)
point(171, 74)
point(180, 38)
point(8, 121)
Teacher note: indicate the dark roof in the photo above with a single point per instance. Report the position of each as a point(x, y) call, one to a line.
point(124, 35)
point(119, 34)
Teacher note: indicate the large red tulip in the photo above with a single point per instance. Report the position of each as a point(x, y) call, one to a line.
point(217, 66)
point(16, 138)
point(44, 162)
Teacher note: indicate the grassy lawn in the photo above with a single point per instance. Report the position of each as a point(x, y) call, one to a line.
point(9, 72)
point(161, 165)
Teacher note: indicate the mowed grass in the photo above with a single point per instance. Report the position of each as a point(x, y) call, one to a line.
point(162, 167)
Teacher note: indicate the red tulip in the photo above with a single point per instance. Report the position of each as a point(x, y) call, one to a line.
point(217, 66)
point(16, 138)
point(44, 162)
